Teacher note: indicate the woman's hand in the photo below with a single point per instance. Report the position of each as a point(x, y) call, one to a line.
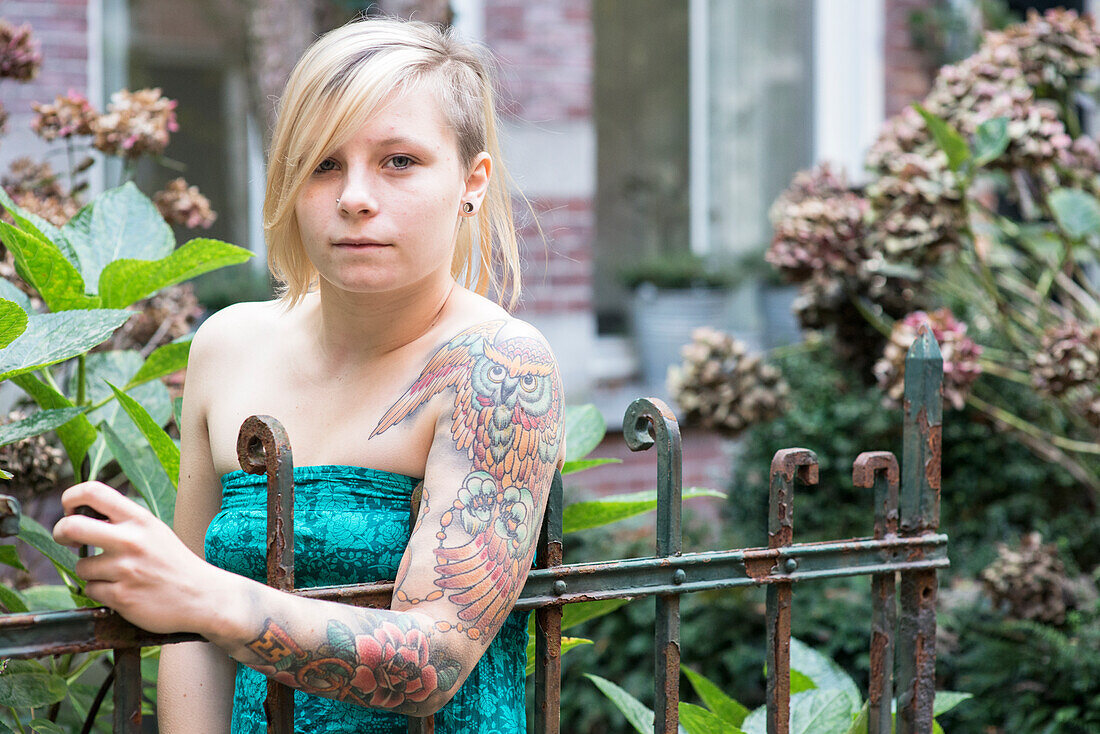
point(144, 571)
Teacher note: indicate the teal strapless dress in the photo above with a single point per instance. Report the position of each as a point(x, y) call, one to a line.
point(351, 525)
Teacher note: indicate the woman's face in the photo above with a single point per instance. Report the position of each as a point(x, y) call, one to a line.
point(381, 213)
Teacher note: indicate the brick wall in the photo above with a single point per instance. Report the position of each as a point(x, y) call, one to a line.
point(545, 54)
point(907, 75)
point(61, 27)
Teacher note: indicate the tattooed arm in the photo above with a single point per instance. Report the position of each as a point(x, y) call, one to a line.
point(497, 441)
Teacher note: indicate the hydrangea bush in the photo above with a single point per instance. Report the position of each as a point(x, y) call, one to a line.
point(980, 218)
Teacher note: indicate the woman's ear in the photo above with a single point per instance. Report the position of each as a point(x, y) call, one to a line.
point(477, 180)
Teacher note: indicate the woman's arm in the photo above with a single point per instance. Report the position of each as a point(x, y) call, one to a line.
point(195, 679)
point(488, 474)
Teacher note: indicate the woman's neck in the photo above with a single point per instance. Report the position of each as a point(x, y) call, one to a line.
point(353, 328)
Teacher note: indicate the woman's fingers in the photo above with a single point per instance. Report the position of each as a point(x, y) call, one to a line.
point(103, 499)
point(83, 530)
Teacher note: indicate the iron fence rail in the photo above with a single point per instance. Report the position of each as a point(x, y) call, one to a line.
point(905, 545)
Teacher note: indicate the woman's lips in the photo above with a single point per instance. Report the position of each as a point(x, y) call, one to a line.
point(360, 245)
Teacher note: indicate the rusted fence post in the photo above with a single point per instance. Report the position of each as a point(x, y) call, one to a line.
point(879, 469)
point(650, 422)
point(920, 515)
point(786, 465)
point(127, 693)
point(263, 447)
point(548, 621)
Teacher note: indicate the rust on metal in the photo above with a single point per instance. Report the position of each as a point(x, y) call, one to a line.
point(786, 465)
point(760, 568)
point(778, 694)
point(548, 555)
point(916, 690)
point(128, 690)
point(263, 448)
point(879, 470)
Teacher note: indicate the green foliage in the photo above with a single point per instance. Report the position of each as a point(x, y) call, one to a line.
point(830, 704)
point(989, 480)
point(1076, 212)
point(114, 252)
point(597, 513)
point(1026, 677)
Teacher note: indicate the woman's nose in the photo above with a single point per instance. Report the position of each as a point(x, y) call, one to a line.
point(357, 197)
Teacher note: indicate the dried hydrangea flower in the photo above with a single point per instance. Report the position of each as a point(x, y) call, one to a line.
point(20, 57)
point(960, 356)
point(57, 210)
point(722, 388)
point(136, 123)
point(67, 117)
point(818, 225)
point(167, 315)
point(35, 186)
point(1069, 357)
point(182, 204)
point(1030, 582)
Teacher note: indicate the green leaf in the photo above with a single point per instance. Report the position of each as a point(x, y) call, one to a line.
point(860, 722)
point(37, 537)
point(947, 137)
point(812, 712)
point(119, 223)
point(6, 475)
point(637, 713)
point(118, 367)
point(13, 321)
point(990, 140)
point(824, 673)
point(9, 291)
point(584, 429)
point(165, 448)
point(177, 412)
point(47, 269)
point(575, 614)
point(145, 473)
point(163, 361)
point(567, 644)
point(596, 513)
point(36, 226)
point(31, 690)
point(77, 435)
point(697, 720)
point(947, 700)
point(54, 337)
point(125, 281)
point(9, 556)
point(48, 597)
point(726, 708)
point(11, 599)
point(571, 467)
point(40, 422)
point(45, 726)
point(1077, 213)
point(801, 682)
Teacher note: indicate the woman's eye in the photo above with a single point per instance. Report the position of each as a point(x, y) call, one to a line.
point(400, 162)
point(326, 165)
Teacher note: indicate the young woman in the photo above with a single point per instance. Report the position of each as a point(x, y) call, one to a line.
point(387, 223)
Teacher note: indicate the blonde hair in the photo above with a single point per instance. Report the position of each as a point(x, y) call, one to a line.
point(343, 79)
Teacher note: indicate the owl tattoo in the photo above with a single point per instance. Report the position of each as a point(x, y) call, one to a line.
point(507, 420)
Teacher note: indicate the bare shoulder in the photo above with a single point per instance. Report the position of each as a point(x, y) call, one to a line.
point(233, 329)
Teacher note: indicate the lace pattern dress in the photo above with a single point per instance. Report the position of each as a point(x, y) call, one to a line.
point(351, 525)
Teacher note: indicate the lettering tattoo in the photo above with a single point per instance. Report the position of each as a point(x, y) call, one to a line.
point(388, 662)
point(507, 421)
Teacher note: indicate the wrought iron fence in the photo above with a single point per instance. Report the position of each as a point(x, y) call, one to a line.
point(905, 545)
